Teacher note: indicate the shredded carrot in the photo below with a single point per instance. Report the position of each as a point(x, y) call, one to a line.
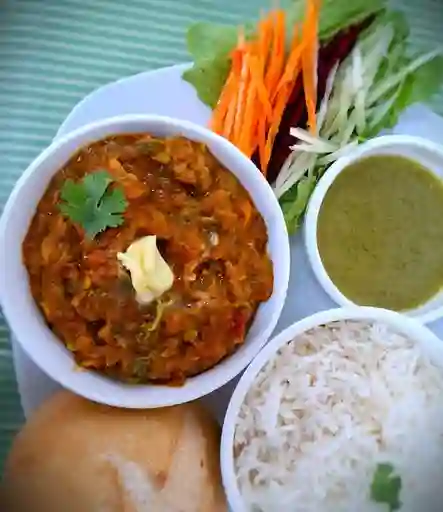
point(241, 100)
point(277, 57)
point(291, 69)
point(279, 108)
point(222, 107)
point(261, 79)
point(264, 107)
point(265, 33)
point(237, 63)
point(280, 96)
point(309, 61)
point(261, 135)
point(256, 73)
point(242, 90)
point(237, 57)
point(244, 141)
point(229, 120)
point(255, 100)
point(258, 107)
point(222, 113)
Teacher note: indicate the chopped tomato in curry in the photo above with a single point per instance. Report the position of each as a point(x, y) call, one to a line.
point(208, 231)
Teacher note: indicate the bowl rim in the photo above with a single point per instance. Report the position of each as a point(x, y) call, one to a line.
point(210, 380)
point(319, 194)
point(408, 326)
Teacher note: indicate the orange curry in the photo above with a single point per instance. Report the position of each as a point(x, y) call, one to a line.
point(209, 233)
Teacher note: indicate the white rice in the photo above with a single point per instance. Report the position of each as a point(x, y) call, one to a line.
point(329, 407)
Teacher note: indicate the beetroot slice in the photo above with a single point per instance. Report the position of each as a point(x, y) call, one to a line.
point(335, 50)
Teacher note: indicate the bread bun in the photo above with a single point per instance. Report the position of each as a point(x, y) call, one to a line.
point(77, 456)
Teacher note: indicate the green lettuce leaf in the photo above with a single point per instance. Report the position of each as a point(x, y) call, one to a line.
point(207, 40)
point(418, 86)
point(210, 44)
point(208, 77)
point(335, 15)
point(426, 82)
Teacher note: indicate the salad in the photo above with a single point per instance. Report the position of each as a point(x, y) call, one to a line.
point(305, 85)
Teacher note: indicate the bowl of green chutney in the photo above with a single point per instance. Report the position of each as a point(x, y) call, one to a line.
point(374, 227)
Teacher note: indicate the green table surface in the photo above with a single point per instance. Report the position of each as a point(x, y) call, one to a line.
point(54, 52)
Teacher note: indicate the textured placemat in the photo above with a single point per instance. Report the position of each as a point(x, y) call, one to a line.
point(54, 52)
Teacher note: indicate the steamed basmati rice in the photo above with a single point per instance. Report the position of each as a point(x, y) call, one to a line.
point(329, 407)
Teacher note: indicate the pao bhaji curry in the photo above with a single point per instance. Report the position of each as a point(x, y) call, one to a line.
point(148, 258)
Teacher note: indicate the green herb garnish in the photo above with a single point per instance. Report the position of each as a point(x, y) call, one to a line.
point(92, 204)
point(386, 486)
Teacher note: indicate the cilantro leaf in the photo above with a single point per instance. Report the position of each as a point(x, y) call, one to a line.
point(95, 184)
point(92, 204)
point(386, 486)
point(74, 197)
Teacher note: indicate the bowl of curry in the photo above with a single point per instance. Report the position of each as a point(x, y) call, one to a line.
point(145, 261)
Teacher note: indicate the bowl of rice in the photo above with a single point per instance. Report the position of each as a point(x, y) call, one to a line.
point(342, 411)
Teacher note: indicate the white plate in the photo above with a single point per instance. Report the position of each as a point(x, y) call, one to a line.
point(164, 92)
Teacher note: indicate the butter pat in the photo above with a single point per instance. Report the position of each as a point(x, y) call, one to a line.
point(150, 274)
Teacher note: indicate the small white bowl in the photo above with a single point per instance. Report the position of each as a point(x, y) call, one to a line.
point(427, 153)
point(25, 319)
point(409, 327)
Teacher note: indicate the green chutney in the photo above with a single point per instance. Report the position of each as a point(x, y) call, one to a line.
point(380, 232)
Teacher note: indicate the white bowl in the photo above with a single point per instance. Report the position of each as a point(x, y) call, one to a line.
point(411, 328)
point(427, 153)
point(25, 319)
